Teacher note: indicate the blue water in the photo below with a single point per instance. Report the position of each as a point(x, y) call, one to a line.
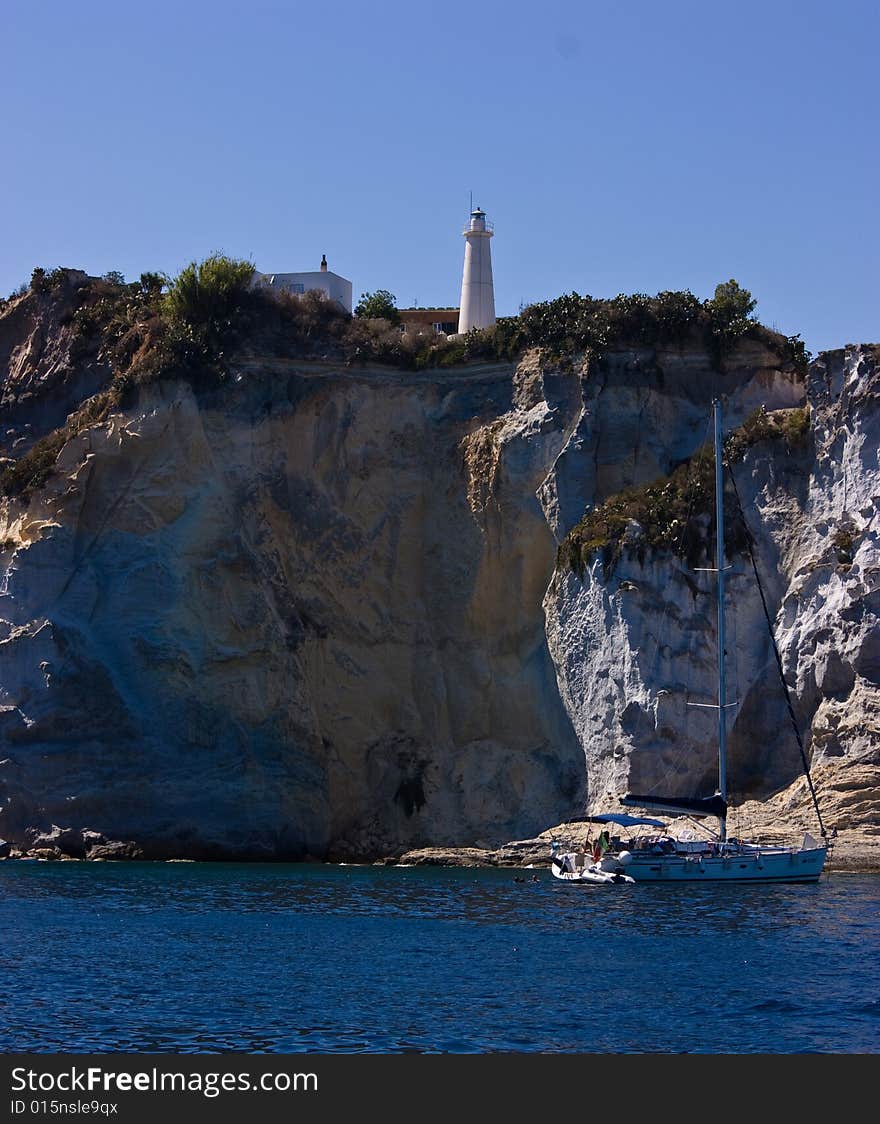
point(154, 957)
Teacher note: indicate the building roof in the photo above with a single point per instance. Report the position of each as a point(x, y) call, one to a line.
point(428, 315)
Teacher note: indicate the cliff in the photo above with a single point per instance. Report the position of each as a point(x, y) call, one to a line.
point(320, 609)
point(634, 649)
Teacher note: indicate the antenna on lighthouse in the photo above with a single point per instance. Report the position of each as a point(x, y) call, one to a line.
point(477, 306)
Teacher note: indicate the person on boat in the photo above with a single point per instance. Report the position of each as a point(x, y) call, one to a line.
point(603, 843)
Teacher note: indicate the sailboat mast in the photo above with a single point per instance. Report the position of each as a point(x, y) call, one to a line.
point(719, 556)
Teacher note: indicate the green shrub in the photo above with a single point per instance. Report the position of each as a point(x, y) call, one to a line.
point(44, 282)
point(675, 515)
point(796, 425)
point(31, 471)
point(791, 426)
point(150, 285)
point(797, 354)
point(731, 307)
point(380, 305)
point(631, 317)
point(204, 307)
point(509, 337)
point(310, 318)
point(676, 313)
point(572, 323)
point(124, 325)
point(730, 313)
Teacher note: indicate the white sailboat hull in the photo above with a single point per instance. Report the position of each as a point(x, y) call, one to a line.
point(746, 866)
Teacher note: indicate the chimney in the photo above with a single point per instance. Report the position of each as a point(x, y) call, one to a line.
point(323, 263)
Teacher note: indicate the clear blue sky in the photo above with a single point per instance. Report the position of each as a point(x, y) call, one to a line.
point(618, 146)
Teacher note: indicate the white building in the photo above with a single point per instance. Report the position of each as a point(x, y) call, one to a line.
point(334, 287)
point(477, 307)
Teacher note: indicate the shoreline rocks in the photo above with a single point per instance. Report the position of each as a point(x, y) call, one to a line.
point(852, 852)
point(70, 844)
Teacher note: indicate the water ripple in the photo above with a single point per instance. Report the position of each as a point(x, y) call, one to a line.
point(216, 958)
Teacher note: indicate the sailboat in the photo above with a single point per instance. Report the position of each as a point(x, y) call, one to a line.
point(661, 857)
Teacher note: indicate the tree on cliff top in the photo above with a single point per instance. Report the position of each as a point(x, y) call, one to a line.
point(204, 301)
point(380, 305)
point(731, 309)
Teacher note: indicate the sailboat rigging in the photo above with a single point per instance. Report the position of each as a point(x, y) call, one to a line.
point(663, 858)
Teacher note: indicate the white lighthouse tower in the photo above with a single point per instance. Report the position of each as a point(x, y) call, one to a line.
point(477, 308)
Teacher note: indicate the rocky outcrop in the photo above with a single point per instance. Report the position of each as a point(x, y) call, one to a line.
point(48, 365)
point(634, 650)
point(70, 843)
point(301, 614)
point(643, 411)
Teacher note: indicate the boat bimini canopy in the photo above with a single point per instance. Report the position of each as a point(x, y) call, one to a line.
point(679, 805)
point(620, 819)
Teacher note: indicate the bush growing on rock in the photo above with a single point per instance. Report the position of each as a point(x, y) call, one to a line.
point(380, 305)
point(674, 515)
point(791, 426)
point(193, 326)
point(677, 514)
point(31, 471)
point(44, 282)
point(730, 314)
point(572, 323)
point(204, 305)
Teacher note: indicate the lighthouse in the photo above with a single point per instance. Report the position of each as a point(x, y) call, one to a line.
point(477, 308)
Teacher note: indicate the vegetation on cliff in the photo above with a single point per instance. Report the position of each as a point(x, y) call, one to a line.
point(31, 471)
point(197, 325)
point(380, 305)
point(675, 515)
point(197, 321)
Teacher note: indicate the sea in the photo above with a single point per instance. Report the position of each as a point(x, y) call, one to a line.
point(275, 958)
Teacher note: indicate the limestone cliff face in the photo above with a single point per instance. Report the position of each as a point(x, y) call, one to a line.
point(275, 624)
point(643, 411)
point(308, 612)
point(633, 651)
point(829, 619)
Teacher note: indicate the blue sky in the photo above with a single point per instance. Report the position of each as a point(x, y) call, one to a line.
point(618, 146)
